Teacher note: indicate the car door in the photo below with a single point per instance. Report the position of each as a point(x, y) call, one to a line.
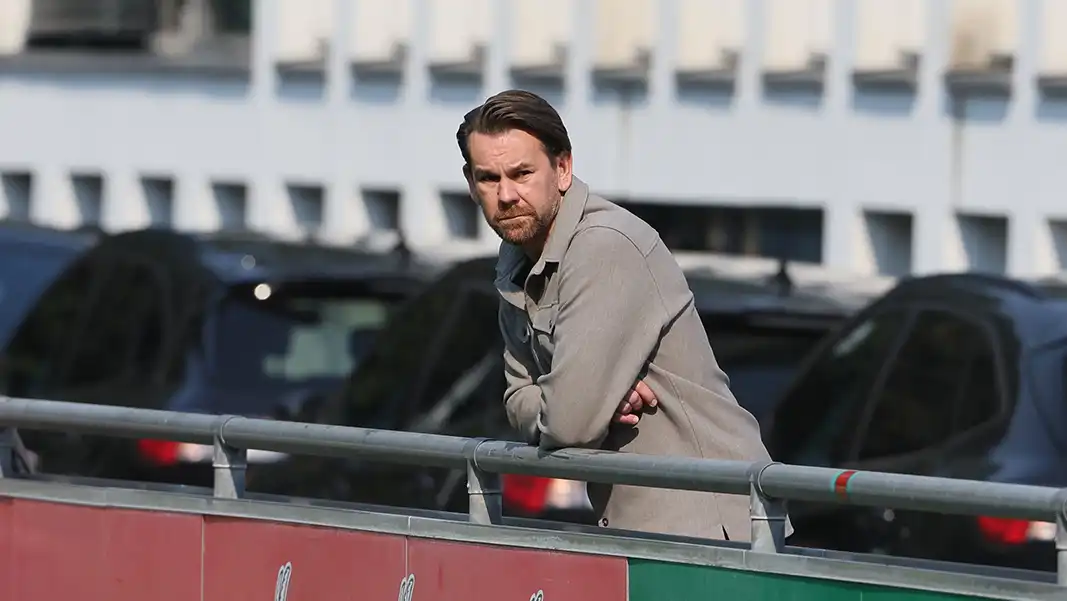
point(815, 422)
point(942, 387)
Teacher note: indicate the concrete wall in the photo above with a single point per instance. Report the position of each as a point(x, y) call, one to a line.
point(932, 137)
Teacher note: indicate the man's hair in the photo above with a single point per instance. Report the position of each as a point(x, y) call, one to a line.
point(515, 109)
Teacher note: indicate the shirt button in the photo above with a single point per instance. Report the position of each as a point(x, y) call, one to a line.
point(603, 522)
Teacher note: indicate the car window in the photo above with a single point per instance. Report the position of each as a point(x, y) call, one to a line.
point(979, 400)
point(944, 358)
point(816, 419)
point(462, 359)
point(414, 354)
point(266, 337)
point(121, 339)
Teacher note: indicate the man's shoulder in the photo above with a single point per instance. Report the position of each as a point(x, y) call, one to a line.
point(605, 223)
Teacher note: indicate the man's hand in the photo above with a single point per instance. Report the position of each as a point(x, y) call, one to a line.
point(640, 396)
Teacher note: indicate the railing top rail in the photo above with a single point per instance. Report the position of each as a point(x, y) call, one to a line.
point(778, 481)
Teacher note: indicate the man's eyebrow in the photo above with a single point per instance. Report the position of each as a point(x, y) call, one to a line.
point(487, 171)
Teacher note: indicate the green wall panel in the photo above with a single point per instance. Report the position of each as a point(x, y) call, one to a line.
point(660, 581)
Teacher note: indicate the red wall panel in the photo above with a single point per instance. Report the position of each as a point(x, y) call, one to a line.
point(243, 558)
point(153, 555)
point(91, 553)
point(447, 571)
point(7, 585)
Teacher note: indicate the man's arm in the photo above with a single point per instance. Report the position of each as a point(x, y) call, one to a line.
point(610, 319)
point(522, 398)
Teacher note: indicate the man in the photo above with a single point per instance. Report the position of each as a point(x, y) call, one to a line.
point(604, 348)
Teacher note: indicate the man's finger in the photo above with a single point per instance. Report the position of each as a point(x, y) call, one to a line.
point(634, 400)
point(624, 408)
point(645, 393)
point(629, 419)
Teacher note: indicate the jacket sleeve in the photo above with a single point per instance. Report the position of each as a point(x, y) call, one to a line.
point(522, 398)
point(611, 316)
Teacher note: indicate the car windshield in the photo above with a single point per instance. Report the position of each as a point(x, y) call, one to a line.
point(271, 336)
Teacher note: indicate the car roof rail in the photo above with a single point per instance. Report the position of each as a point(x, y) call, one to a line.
point(992, 279)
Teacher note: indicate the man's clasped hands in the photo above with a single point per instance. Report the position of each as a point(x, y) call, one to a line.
point(639, 398)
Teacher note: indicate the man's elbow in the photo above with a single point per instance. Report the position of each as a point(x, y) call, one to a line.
point(523, 419)
point(560, 434)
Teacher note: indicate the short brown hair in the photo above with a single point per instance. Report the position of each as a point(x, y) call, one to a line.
point(515, 109)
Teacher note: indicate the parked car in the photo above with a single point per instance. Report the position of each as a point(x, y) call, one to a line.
point(437, 368)
point(31, 258)
point(959, 376)
point(221, 324)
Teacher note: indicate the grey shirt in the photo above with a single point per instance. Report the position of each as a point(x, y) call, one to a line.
point(606, 304)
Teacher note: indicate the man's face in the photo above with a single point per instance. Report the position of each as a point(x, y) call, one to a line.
point(517, 185)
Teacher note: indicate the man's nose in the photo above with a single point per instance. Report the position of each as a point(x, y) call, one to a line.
point(508, 192)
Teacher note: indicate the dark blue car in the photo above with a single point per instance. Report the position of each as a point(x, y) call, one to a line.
point(212, 323)
point(959, 376)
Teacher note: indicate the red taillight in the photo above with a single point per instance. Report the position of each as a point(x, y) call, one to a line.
point(159, 452)
point(525, 493)
point(1005, 531)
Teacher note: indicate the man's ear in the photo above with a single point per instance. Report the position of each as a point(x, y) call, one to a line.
point(564, 171)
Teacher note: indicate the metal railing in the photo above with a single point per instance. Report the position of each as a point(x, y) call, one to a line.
point(768, 485)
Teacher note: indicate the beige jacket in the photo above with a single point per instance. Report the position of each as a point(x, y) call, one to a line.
point(605, 305)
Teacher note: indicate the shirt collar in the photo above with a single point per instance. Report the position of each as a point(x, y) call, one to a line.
point(512, 258)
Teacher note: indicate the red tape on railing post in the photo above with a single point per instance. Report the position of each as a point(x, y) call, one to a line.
point(840, 486)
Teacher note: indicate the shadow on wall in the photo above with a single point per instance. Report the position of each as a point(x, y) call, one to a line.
point(1051, 108)
point(465, 91)
point(223, 86)
point(794, 96)
point(551, 91)
point(976, 108)
point(887, 103)
point(376, 89)
point(301, 87)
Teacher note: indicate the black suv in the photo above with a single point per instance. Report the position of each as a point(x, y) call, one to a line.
point(201, 323)
point(437, 368)
point(959, 376)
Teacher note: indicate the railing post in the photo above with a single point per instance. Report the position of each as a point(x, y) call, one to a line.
point(483, 492)
point(767, 515)
point(229, 464)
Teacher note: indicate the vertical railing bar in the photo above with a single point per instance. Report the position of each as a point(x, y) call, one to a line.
point(229, 464)
point(483, 490)
point(768, 517)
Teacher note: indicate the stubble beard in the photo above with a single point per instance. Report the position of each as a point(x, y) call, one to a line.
point(525, 228)
point(520, 230)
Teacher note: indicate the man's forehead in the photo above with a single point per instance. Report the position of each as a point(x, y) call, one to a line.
point(510, 165)
point(512, 146)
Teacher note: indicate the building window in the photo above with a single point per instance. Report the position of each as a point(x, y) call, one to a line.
point(779, 232)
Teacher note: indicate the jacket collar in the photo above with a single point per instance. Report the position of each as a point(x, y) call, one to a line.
point(512, 258)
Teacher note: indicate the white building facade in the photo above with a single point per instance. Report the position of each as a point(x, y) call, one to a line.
point(878, 136)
